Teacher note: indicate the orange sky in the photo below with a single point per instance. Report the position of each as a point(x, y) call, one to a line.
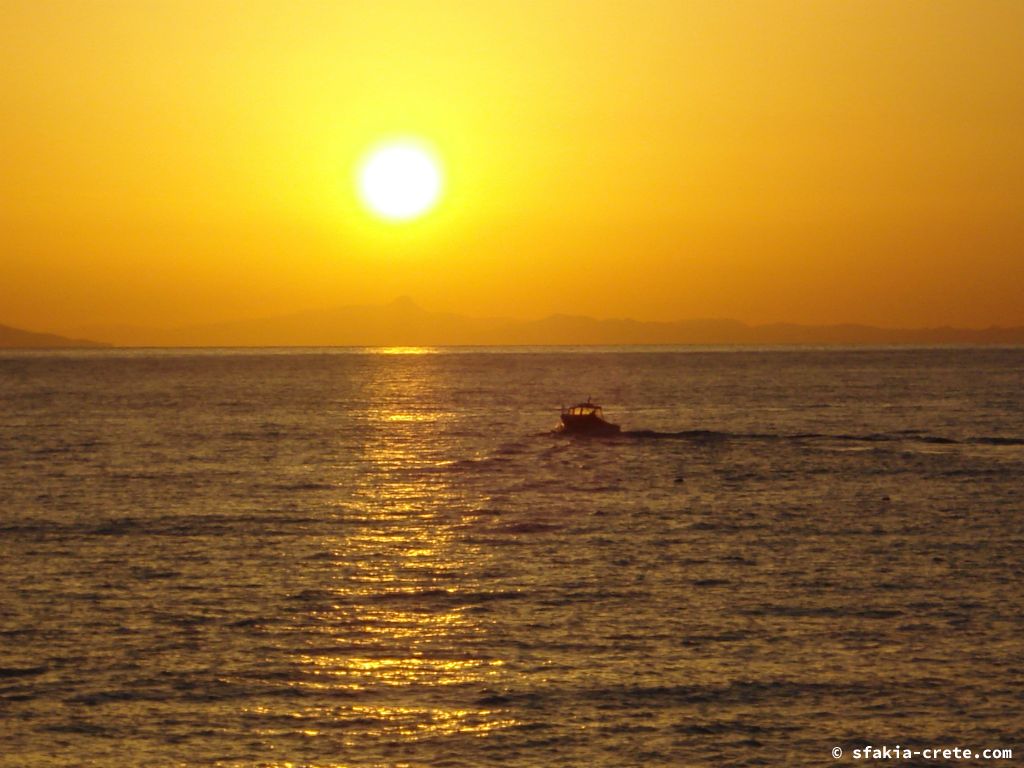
point(175, 162)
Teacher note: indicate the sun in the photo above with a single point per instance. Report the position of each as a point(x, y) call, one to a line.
point(400, 180)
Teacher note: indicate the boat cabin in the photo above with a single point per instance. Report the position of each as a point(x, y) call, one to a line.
point(584, 410)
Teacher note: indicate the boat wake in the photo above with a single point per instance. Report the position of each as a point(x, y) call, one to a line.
point(913, 436)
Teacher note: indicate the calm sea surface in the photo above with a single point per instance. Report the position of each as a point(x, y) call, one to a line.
point(350, 558)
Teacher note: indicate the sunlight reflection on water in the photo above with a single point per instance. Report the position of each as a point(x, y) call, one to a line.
point(398, 628)
point(403, 350)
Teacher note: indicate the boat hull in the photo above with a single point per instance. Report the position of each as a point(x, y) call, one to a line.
point(586, 425)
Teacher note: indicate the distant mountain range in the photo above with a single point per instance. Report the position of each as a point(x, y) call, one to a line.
point(19, 339)
point(404, 323)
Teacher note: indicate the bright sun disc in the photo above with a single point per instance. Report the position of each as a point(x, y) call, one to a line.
point(400, 181)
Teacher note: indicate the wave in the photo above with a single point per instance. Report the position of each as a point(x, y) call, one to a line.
point(742, 692)
point(269, 523)
point(997, 440)
point(13, 672)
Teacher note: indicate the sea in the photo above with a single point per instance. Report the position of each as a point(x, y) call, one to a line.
point(384, 557)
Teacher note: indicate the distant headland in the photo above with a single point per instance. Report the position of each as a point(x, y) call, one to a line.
point(404, 323)
point(15, 338)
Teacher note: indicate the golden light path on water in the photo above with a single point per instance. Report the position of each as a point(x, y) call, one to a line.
point(404, 350)
point(395, 635)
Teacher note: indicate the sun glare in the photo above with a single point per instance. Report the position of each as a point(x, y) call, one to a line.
point(400, 180)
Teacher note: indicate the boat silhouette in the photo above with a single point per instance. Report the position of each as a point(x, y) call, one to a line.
point(585, 419)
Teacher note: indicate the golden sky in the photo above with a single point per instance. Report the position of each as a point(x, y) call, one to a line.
point(821, 161)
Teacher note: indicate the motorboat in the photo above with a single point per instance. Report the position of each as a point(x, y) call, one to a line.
point(585, 419)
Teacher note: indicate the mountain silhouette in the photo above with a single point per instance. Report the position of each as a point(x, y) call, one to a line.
point(18, 339)
point(404, 323)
